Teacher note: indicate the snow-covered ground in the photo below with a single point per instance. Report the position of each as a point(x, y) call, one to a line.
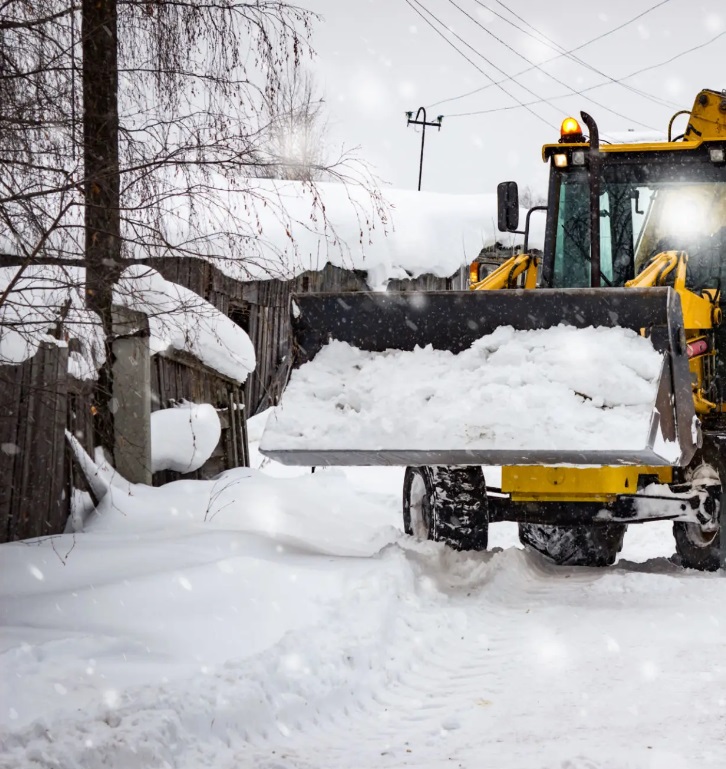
point(279, 619)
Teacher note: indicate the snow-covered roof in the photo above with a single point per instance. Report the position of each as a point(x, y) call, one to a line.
point(284, 228)
point(299, 227)
point(258, 229)
point(178, 319)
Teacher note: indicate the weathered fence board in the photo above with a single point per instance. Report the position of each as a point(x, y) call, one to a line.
point(33, 491)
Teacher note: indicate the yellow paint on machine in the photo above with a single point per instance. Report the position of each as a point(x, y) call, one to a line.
point(542, 483)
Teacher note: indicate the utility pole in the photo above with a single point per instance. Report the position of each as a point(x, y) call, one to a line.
point(99, 31)
point(410, 120)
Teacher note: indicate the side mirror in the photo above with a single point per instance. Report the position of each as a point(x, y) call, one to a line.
point(508, 206)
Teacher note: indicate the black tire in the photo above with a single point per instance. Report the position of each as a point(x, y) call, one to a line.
point(446, 504)
point(699, 546)
point(595, 545)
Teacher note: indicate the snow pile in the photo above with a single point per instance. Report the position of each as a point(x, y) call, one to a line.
point(169, 583)
point(156, 639)
point(46, 296)
point(241, 500)
point(183, 438)
point(254, 621)
point(561, 388)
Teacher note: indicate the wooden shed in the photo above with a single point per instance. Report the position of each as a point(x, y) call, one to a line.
point(261, 308)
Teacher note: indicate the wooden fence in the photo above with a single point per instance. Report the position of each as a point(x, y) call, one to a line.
point(39, 401)
point(34, 494)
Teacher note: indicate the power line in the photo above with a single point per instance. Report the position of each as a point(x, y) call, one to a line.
point(560, 55)
point(539, 68)
point(673, 58)
point(555, 46)
point(593, 87)
point(604, 34)
point(473, 63)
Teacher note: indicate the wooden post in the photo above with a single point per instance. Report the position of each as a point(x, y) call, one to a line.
point(131, 402)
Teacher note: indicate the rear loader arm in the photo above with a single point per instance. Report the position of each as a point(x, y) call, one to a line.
point(505, 276)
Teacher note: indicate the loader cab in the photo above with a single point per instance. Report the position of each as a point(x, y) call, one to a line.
point(651, 198)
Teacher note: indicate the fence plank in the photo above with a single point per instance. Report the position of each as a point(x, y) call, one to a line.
point(10, 444)
point(36, 502)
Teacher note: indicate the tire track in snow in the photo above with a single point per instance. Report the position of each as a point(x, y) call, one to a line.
point(510, 602)
point(442, 659)
point(423, 687)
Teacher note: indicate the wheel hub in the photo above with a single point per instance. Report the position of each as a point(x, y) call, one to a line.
point(704, 534)
point(420, 509)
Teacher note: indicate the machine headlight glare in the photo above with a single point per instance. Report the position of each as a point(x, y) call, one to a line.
point(560, 160)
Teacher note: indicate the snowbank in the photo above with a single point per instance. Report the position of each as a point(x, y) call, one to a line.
point(169, 583)
point(207, 645)
point(178, 318)
point(183, 630)
point(561, 388)
point(183, 438)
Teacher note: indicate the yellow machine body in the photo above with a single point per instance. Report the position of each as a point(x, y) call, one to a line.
point(542, 483)
point(701, 314)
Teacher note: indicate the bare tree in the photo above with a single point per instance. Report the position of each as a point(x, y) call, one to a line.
point(294, 137)
point(529, 197)
point(131, 129)
point(39, 159)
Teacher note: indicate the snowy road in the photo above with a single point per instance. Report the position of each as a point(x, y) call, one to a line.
point(174, 643)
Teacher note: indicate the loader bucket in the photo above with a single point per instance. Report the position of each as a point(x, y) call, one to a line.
point(385, 323)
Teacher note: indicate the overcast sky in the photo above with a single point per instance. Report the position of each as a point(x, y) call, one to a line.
point(379, 58)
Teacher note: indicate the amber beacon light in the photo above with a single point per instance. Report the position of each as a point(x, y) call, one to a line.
point(570, 130)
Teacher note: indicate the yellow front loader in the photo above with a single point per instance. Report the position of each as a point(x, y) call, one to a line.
point(635, 238)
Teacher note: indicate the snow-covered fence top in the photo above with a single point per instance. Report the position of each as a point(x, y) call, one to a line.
point(47, 297)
